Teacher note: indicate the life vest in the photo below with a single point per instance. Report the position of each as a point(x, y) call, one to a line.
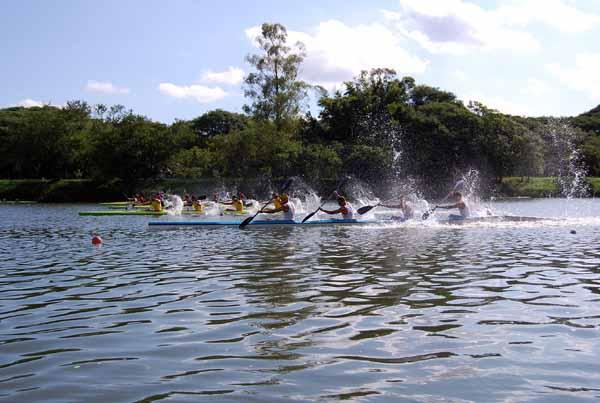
point(156, 205)
point(277, 203)
point(198, 206)
point(238, 205)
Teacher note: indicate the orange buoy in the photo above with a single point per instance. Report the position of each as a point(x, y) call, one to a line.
point(96, 240)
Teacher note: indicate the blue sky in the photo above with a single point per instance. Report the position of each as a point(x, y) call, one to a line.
point(178, 59)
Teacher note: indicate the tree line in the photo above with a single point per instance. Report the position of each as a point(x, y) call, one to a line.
point(379, 126)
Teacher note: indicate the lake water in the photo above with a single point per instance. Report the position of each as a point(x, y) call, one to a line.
point(406, 312)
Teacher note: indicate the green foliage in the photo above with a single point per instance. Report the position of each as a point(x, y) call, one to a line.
point(589, 121)
point(379, 125)
point(130, 147)
point(194, 162)
point(527, 186)
point(216, 122)
point(318, 161)
point(369, 162)
point(591, 154)
point(39, 142)
point(258, 150)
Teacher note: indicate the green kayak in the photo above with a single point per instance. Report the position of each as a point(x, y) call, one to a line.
point(133, 212)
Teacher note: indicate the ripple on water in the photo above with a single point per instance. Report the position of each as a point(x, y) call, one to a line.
point(377, 313)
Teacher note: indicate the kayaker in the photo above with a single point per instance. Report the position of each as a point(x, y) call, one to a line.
point(459, 186)
point(236, 203)
point(405, 207)
point(345, 209)
point(460, 204)
point(156, 204)
point(198, 206)
point(188, 199)
point(139, 199)
point(283, 204)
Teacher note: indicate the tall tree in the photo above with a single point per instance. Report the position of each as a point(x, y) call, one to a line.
point(274, 88)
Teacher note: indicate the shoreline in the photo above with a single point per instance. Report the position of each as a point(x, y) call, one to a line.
point(27, 191)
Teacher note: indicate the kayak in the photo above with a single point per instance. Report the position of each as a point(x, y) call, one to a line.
point(230, 212)
point(133, 212)
point(493, 219)
point(119, 203)
point(255, 223)
point(17, 202)
point(200, 224)
point(127, 206)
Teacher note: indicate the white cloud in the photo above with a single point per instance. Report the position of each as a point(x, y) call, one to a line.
point(504, 105)
point(336, 52)
point(232, 76)
point(457, 27)
point(461, 26)
point(535, 88)
point(105, 87)
point(554, 13)
point(582, 77)
point(29, 103)
point(200, 93)
point(460, 75)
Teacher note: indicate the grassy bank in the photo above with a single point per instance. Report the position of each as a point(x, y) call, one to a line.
point(60, 191)
point(539, 187)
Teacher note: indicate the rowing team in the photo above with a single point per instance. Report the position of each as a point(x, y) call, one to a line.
point(161, 201)
point(282, 204)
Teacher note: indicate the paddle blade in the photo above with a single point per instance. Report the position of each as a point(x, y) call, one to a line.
point(246, 221)
point(365, 209)
point(308, 217)
point(428, 213)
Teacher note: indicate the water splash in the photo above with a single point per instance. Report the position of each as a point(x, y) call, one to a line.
point(565, 160)
point(359, 191)
point(303, 196)
point(174, 205)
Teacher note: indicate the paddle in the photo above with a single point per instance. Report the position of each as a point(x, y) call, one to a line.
point(366, 209)
point(428, 213)
point(248, 220)
point(308, 217)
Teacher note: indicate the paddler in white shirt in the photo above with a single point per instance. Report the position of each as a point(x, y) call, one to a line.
point(404, 206)
point(460, 204)
point(345, 209)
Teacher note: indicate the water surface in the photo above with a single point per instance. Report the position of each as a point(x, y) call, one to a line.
point(413, 312)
